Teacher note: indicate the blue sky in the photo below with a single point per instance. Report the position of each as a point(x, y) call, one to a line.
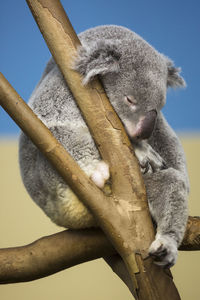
point(172, 27)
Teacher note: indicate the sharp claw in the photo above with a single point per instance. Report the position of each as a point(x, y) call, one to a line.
point(159, 254)
point(150, 160)
point(164, 251)
point(146, 167)
point(164, 165)
point(161, 250)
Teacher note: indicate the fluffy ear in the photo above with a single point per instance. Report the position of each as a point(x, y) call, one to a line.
point(174, 79)
point(97, 58)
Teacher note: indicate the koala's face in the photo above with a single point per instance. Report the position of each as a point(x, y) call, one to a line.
point(137, 89)
point(135, 77)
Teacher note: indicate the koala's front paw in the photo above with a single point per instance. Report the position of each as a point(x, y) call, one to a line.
point(164, 250)
point(150, 161)
point(100, 174)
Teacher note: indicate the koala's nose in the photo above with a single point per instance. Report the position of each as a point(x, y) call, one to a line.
point(146, 125)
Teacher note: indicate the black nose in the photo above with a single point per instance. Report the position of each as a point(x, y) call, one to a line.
point(147, 124)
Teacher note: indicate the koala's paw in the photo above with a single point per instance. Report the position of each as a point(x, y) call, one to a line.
point(100, 174)
point(164, 250)
point(150, 161)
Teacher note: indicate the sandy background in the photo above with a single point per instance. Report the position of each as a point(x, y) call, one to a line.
point(22, 222)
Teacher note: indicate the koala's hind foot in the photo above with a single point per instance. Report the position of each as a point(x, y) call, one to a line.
point(100, 174)
point(150, 161)
point(164, 250)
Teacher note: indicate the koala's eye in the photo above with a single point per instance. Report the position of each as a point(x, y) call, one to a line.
point(132, 103)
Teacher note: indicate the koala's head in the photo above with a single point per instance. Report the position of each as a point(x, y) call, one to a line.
point(135, 76)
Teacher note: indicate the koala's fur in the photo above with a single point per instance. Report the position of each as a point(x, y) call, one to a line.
point(135, 77)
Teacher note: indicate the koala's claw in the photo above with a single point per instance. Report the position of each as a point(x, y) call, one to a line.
point(145, 167)
point(164, 250)
point(150, 161)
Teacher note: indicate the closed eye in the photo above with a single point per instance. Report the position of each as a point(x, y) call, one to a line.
point(130, 100)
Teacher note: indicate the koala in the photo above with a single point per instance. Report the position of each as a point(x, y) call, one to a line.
point(135, 77)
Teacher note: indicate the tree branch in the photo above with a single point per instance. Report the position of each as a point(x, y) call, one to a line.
point(127, 205)
point(65, 249)
point(191, 239)
point(52, 254)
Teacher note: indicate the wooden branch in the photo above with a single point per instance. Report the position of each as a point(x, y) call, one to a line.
point(127, 204)
point(191, 239)
point(105, 126)
point(63, 250)
point(52, 254)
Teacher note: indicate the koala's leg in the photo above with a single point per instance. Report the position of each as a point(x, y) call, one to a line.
point(48, 189)
point(167, 197)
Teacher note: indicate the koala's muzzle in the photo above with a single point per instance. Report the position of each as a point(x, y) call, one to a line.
point(144, 127)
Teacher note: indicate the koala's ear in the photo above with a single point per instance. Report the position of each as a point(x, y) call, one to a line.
point(99, 57)
point(174, 79)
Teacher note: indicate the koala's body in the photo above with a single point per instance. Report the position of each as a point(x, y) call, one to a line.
point(135, 77)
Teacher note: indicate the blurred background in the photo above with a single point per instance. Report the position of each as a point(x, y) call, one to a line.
point(173, 28)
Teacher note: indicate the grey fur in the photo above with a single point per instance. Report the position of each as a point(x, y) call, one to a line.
point(135, 77)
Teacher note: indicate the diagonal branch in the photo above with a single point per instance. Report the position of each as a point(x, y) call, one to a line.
point(127, 205)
